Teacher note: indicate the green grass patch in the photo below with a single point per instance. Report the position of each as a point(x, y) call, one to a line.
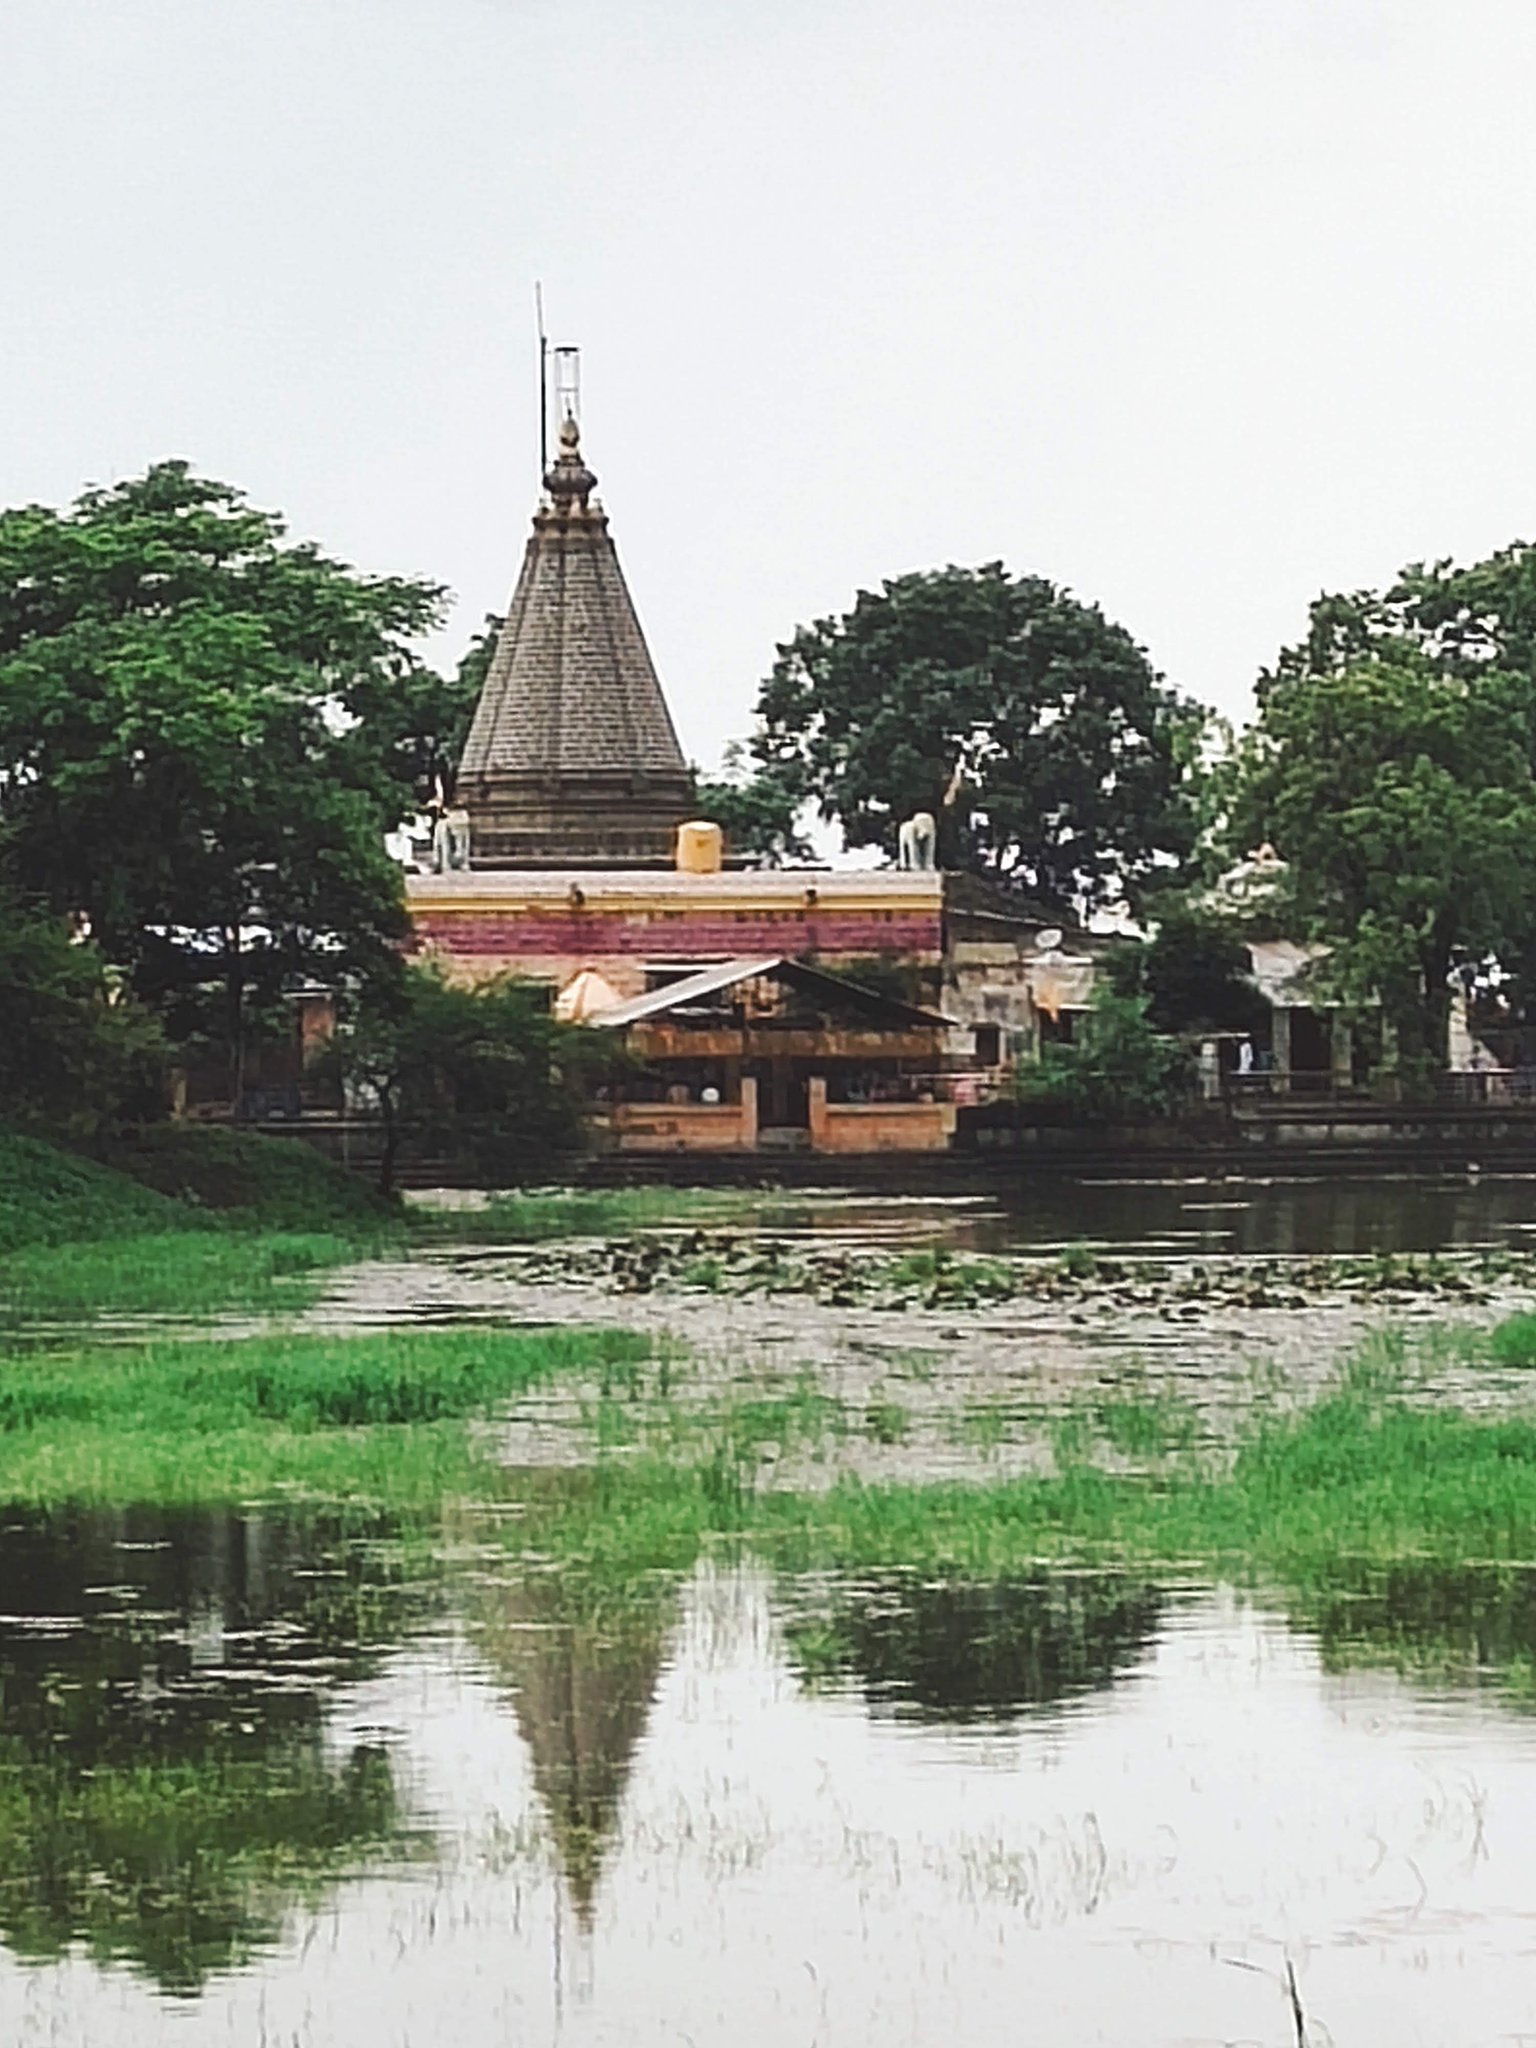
point(183, 1273)
point(1145, 1424)
point(184, 1219)
point(358, 1419)
point(1368, 1474)
point(1514, 1341)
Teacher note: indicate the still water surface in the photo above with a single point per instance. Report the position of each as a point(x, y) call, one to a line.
point(1232, 1214)
point(259, 1784)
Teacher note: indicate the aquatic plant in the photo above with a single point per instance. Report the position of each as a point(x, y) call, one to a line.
point(1368, 1472)
point(1514, 1341)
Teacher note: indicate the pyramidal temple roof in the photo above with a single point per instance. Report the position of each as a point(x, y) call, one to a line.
point(572, 755)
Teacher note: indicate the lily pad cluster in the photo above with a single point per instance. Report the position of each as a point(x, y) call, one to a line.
point(747, 1265)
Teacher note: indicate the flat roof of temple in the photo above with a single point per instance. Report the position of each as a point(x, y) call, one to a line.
point(494, 887)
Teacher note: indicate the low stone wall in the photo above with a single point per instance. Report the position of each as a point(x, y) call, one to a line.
point(680, 1127)
point(852, 1127)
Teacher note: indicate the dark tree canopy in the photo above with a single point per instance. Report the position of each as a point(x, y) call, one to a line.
point(1193, 973)
point(1071, 750)
point(205, 729)
point(73, 1054)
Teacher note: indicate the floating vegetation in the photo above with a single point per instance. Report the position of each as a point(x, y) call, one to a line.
point(739, 1263)
point(536, 1214)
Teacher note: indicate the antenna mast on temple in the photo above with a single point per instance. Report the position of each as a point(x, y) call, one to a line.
point(538, 312)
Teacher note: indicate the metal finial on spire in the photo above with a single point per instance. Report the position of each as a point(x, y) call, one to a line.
point(568, 383)
point(568, 480)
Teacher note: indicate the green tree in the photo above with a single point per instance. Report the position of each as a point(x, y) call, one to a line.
point(205, 729)
point(1400, 791)
point(1073, 755)
point(1118, 1069)
point(755, 809)
point(1462, 619)
point(483, 1072)
point(75, 1055)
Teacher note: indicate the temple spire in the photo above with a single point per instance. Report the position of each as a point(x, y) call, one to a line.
point(572, 758)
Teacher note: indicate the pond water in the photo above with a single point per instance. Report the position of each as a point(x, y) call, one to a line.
point(259, 1783)
point(1251, 1216)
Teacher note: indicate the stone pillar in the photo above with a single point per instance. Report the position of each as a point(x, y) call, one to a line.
point(1280, 1040)
point(1341, 1047)
point(1210, 1070)
point(748, 1129)
point(816, 1100)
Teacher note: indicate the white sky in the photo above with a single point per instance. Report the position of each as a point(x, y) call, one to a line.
point(1198, 306)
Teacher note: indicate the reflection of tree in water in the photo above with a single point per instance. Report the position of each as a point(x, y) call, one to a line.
point(960, 1650)
point(1469, 1621)
point(581, 1665)
point(165, 1788)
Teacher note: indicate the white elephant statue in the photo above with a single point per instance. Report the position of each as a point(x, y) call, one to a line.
point(917, 842)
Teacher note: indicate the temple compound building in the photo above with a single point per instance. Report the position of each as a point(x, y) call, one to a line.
point(798, 1007)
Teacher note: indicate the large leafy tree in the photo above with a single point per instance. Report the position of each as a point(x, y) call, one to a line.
point(1399, 788)
point(1462, 618)
point(205, 728)
point(1061, 751)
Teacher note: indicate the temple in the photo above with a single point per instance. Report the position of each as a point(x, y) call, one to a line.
point(757, 1007)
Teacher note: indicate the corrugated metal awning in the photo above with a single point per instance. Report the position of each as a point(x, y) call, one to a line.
point(710, 981)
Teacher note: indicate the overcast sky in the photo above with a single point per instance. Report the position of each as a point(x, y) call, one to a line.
point(1197, 306)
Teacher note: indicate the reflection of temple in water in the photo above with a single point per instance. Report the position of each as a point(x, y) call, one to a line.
point(582, 1684)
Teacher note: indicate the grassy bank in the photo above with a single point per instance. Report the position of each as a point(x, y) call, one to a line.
point(239, 1180)
point(48, 1197)
point(184, 1220)
point(192, 1218)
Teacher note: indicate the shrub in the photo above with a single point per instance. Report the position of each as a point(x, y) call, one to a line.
point(1119, 1070)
